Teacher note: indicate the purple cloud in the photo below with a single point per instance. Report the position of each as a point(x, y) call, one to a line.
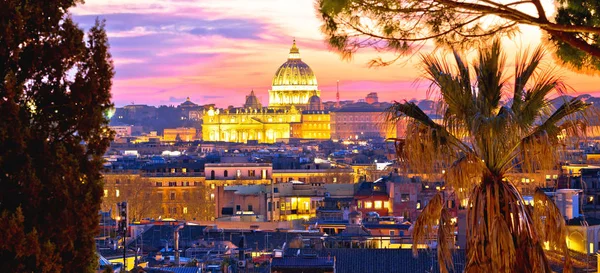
point(164, 24)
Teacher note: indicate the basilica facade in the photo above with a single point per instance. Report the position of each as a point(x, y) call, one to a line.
point(294, 110)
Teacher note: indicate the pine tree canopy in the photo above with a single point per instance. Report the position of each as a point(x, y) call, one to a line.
point(572, 30)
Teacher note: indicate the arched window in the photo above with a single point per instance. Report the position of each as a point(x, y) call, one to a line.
point(212, 175)
point(225, 173)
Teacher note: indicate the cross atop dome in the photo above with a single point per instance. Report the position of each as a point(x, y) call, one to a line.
point(294, 52)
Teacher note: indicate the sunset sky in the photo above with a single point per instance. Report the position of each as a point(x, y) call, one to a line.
point(217, 51)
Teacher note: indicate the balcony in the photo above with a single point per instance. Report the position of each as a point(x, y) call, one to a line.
point(192, 174)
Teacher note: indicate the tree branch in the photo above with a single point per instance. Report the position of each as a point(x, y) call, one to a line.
point(570, 39)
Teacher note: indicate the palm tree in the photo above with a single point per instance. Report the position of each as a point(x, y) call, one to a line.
point(478, 141)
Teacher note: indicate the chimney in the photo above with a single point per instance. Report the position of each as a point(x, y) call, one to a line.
point(567, 201)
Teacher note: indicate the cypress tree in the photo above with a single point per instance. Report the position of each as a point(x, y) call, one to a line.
point(54, 92)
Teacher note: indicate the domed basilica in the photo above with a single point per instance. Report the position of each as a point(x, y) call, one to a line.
point(294, 111)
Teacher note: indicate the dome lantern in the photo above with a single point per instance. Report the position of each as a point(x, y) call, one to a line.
point(294, 52)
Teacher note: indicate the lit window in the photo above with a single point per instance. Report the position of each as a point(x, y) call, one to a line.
point(105, 193)
point(117, 193)
point(183, 170)
point(378, 204)
point(360, 204)
point(184, 210)
point(212, 197)
point(239, 173)
point(386, 204)
point(212, 186)
point(368, 205)
point(418, 205)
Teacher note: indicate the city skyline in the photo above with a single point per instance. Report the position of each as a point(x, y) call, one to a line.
point(165, 51)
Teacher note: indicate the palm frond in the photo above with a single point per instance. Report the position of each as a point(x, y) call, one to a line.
point(524, 70)
point(424, 228)
point(417, 117)
point(539, 149)
point(550, 224)
point(536, 103)
point(489, 69)
point(464, 174)
point(445, 239)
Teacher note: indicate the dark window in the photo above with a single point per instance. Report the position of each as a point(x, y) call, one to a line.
point(276, 190)
point(172, 196)
point(225, 173)
point(159, 184)
point(269, 206)
point(212, 174)
point(250, 208)
point(405, 197)
point(238, 207)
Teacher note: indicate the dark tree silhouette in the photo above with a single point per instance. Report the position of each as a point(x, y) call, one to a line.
point(54, 90)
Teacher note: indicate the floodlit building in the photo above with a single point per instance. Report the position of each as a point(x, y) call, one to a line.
point(361, 121)
point(180, 134)
point(294, 89)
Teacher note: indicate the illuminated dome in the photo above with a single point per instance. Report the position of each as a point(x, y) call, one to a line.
point(294, 73)
point(314, 103)
point(315, 99)
point(252, 101)
point(294, 82)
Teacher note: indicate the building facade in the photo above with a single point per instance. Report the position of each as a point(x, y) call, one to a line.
point(361, 121)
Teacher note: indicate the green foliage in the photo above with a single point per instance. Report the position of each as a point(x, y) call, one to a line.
point(578, 12)
point(404, 26)
point(54, 89)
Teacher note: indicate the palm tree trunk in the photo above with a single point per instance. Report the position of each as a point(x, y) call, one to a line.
point(500, 232)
